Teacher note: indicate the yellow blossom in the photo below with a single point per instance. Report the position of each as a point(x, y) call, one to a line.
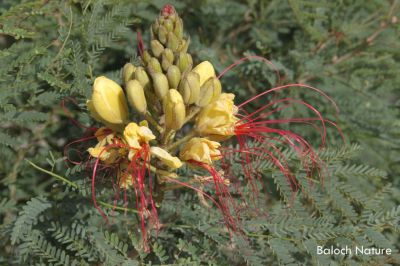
point(108, 155)
point(125, 181)
point(135, 136)
point(218, 118)
point(201, 150)
point(169, 160)
point(108, 102)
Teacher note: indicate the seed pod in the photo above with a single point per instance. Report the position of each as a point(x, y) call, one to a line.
point(209, 92)
point(205, 70)
point(173, 42)
point(178, 29)
point(184, 62)
point(174, 76)
point(142, 77)
point(135, 95)
point(109, 101)
point(162, 34)
point(128, 72)
point(174, 110)
point(157, 48)
point(190, 88)
point(160, 83)
point(154, 65)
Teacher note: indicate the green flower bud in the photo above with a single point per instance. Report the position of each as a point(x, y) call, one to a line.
point(168, 54)
point(162, 34)
point(165, 64)
point(174, 110)
point(173, 17)
point(155, 26)
point(167, 59)
point(174, 76)
point(184, 62)
point(178, 29)
point(146, 57)
point(173, 42)
point(142, 77)
point(135, 95)
point(209, 92)
point(184, 45)
point(190, 88)
point(169, 25)
point(157, 48)
point(160, 83)
point(128, 72)
point(154, 65)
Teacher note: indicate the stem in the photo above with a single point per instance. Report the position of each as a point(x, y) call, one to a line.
point(167, 134)
point(152, 121)
point(105, 204)
point(182, 140)
point(194, 111)
point(63, 179)
point(74, 185)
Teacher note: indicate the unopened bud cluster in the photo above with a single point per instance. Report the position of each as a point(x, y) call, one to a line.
point(169, 92)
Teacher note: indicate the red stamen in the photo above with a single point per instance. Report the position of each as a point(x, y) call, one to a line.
point(140, 43)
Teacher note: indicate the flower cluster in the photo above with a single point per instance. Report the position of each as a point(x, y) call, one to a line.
point(185, 120)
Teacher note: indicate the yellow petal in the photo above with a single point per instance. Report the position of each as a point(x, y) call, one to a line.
point(166, 158)
point(109, 101)
point(201, 150)
point(205, 70)
point(218, 117)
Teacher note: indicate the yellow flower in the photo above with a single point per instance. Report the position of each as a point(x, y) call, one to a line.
point(201, 150)
point(218, 118)
point(125, 181)
point(100, 151)
point(205, 70)
point(108, 102)
point(166, 158)
point(135, 136)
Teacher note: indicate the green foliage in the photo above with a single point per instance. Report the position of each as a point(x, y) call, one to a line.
point(349, 49)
